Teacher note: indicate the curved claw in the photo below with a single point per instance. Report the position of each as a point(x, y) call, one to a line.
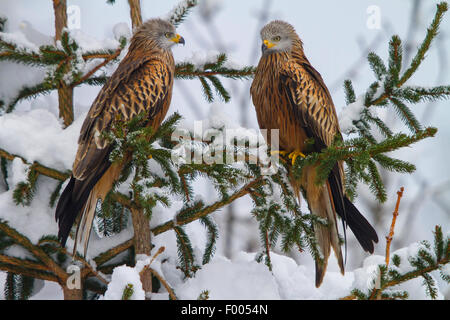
point(295, 154)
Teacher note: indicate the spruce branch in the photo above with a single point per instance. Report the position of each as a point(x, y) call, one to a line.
point(209, 71)
point(89, 74)
point(18, 286)
point(432, 32)
point(179, 13)
point(182, 220)
point(425, 260)
point(36, 251)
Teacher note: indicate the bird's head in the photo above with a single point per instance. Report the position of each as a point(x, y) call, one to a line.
point(278, 36)
point(159, 32)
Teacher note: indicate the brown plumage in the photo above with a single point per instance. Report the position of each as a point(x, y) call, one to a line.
point(141, 83)
point(290, 95)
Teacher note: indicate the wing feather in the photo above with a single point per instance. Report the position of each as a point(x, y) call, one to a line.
point(134, 88)
point(311, 102)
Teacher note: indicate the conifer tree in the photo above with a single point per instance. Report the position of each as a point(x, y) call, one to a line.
point(154, 176)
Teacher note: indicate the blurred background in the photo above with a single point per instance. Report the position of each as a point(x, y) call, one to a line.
point(337, 37)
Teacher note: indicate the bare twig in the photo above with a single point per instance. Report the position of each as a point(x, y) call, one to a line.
point(164, 283)
point(46, 171)
point(394, 219)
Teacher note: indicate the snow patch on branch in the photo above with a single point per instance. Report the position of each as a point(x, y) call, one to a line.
point(20, 41)
point(349, 114)
point(122, 277)
point(18, 173)
point(39, 136)
point(177, 14)
point(201, 58)
point(122, 30)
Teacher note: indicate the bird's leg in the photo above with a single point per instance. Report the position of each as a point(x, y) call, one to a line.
point(294, 155)
point(282, 152)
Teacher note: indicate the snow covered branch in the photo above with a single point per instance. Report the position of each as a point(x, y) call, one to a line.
point(180, 11)
point(422, 260)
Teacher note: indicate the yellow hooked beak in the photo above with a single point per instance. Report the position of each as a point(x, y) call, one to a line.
point(269, 44)
point(178, 39)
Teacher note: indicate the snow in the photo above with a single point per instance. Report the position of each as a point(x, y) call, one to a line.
point(201, 58)
point(121, 277)
point(38, 135)
point(19, 172)
point(242, 278)
point(14, 77)
point(178, 10)
point(121, 30)
point(33, 35)
point(89, 43)
point(350, 113)
point(20, 41)
point(37, 215)
point(226, 279)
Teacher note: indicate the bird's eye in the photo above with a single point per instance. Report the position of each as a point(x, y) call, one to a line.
point(169, 35)
point(277, 38)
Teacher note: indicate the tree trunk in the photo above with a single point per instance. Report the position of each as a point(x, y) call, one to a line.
point(72, 294)
point(60, 7)
point(65, 93)
point(135, 13)
point(65, 100)
point(142, 243)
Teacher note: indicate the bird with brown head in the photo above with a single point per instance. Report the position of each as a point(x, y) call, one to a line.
point(291, 96)
point(142, 83)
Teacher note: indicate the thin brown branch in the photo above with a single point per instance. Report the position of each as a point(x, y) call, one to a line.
point(247, 189)
point(104, 257)
point(97, 67)
point(160, 250)
point(33, 273)
point(164, 283)
point(394, 219)
point(23, 241)
point(49, 172)
point(24, 263)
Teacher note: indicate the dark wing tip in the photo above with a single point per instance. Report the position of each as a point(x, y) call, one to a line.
point(361, 228)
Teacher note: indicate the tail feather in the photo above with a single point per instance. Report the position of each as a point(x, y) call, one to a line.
point(361, 228)
point(69, 205)
point(85, 225)
point(73, 200)
point(327, 236)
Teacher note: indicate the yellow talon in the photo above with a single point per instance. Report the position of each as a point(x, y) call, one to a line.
point(294, 155)
point(150, 156)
